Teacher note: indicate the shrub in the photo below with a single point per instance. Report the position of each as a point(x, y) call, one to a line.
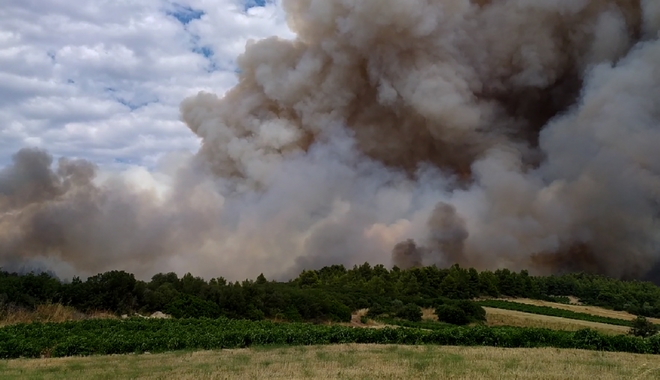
point(254, 314)
point(451, 314)
point(559, 299)
point(473, 311)
point(291, 314)
point(396, 304)
point(643, 328)
point(410, 312)
point(340, 312)
point(192, 307)
point(376, 310)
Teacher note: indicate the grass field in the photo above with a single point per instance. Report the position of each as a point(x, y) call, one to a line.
point(593, 310)
point(346, 362)
point(356, 361)
point(502, 317)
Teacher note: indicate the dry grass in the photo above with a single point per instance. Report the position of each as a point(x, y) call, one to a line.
point(47, 313)
point(356, 321)
point(501, 317)
point(429, 315)
point(346, 362)
point(593, 310)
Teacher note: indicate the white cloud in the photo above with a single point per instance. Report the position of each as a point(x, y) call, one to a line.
point(103, 80)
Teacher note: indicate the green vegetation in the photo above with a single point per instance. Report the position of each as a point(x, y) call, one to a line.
point(410, 312)
point(456, 312)
point(554, 312)
point(327, 294)
point(643, 328)
point(451, 314)
point(460, 312)
point(345, 361)
point(93, 337)
point(424, 324)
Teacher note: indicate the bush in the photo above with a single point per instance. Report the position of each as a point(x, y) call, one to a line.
point(451, 314)
point(473, 311)
point(559, 299)
point(254, 314)
point(291, 314)
point(376, 310)
point(192, 307)
point(340, 312)
point(410, 312)
point(643, 328)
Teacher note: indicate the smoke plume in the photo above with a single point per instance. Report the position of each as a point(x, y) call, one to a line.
point(491, 133)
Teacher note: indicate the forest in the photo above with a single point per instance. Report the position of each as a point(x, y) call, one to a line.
point(328, 294)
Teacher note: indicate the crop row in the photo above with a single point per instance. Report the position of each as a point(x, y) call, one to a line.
point(95, 337)
point(554, 312)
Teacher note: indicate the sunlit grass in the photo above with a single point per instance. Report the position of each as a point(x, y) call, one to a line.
point(346, 362)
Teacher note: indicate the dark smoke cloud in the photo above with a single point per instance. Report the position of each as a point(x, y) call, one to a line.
point(408, 255)
point(510, 133)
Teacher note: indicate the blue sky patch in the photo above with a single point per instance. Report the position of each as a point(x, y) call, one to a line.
point(254, 3)
point(185, 14)
point(204, 50)
point(131, 104)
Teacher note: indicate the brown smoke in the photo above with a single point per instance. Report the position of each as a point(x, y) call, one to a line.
point(509, 133)
point(407, 255)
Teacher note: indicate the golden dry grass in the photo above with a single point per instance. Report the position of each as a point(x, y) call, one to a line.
point(501, 317)
point(48, 313)
point(429, 315)
point(593, 310)
point(346, 362)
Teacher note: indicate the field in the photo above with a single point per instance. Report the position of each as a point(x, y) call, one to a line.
point(337, 361)
point(191, 349)
point(593, 310)
point(502, 317)
point(352, 361)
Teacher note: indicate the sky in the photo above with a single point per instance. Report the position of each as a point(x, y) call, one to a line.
point(103, 79)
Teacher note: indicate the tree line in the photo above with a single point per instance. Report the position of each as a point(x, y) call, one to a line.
point(330, 293)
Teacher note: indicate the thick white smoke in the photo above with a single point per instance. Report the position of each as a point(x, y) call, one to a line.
point(503, 133)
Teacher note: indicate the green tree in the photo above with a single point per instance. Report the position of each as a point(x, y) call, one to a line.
point(451, 314)
point(261, 280)
point(308, 279)
point(643, 327)
point(410, 312)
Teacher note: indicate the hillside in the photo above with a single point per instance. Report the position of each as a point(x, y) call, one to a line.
point(328, 294)
point(593, 310)
point(500, 317)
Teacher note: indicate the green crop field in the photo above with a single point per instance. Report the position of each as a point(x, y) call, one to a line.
point(92, 337)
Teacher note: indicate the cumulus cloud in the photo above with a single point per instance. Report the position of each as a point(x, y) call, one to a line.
point(103, 81)
point(490, 133)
